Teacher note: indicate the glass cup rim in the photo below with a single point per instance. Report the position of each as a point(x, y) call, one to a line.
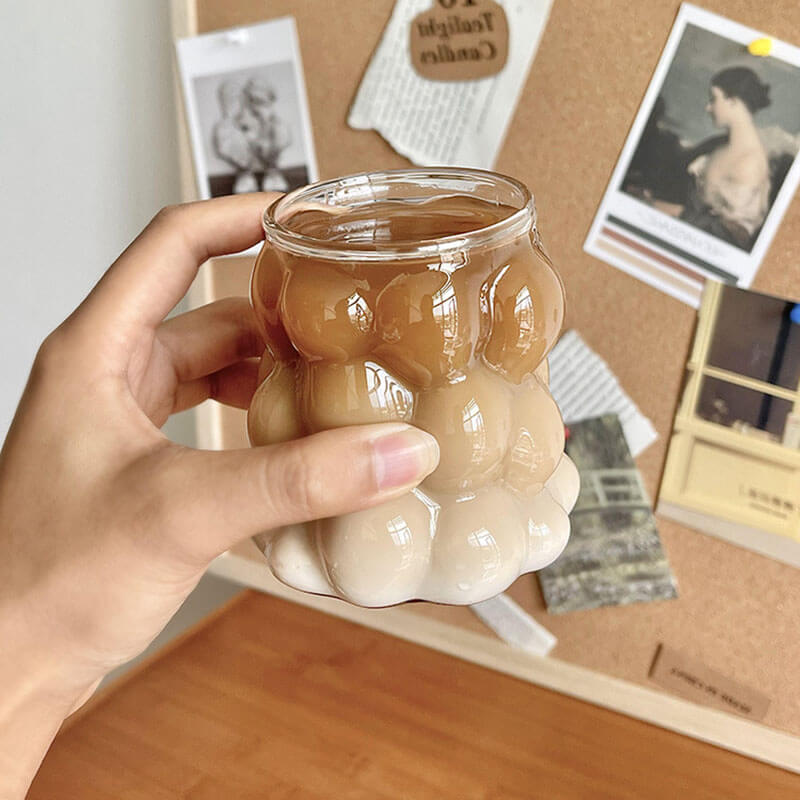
point(359, 185)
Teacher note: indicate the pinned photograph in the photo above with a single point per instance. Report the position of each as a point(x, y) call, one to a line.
point(246, 109)
point(710, 164)
point(733, 465)
point(614, 554)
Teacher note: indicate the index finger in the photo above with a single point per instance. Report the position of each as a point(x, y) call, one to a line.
point(155, 271)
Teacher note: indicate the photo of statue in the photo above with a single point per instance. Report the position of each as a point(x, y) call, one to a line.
point(251, 130)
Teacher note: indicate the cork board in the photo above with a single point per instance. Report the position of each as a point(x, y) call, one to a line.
point(738, 612)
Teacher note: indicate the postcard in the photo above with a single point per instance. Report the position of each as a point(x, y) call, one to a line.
point(710, 163)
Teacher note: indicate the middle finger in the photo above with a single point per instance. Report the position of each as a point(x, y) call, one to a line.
point(210, 338)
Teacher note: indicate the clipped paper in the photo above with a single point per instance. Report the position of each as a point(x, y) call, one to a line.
point(583, 386)
point(459, 123)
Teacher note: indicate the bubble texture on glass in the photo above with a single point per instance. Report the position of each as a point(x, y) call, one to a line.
point(459, 351)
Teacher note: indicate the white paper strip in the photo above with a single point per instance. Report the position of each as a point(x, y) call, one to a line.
point(584, 386)
point(457, 123)
point(514, 625)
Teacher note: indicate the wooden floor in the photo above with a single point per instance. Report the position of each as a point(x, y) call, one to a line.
point(274, 700)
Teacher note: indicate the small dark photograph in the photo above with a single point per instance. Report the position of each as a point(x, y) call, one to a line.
point(721, 137)
point(614, 555)
point(755, 339)
point(252, 131)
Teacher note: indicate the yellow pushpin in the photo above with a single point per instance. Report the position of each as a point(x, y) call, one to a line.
point(760, 47)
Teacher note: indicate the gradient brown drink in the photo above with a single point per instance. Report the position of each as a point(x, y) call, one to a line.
point(422, 297)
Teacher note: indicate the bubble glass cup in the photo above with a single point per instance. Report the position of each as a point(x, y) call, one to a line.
point(421, 296)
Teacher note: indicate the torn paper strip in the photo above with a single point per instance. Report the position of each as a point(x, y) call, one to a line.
point(584, 386)
point(514, 625)
point(459, 123)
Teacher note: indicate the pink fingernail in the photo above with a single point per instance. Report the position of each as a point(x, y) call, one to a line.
point(404, 458)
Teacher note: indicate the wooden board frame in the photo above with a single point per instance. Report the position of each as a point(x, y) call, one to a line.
point(246, 566)
point(649, 704)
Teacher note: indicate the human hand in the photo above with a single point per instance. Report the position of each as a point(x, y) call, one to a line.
point(106, 525)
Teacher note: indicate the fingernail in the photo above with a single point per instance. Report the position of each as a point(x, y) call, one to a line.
point(404, 458)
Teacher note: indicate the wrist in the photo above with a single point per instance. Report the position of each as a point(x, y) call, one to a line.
point(39, 692)
point(30, 716)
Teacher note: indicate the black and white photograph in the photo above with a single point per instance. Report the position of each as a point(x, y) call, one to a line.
point(710, 162)
point(251, 128)
point(246, 106)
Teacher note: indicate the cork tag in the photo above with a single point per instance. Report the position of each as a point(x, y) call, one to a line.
point(459, 40)
point(692, 679)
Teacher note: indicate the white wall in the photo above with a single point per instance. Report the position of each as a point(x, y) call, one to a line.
point(87, 155)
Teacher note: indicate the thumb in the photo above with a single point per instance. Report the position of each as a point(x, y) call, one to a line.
point(238, 493)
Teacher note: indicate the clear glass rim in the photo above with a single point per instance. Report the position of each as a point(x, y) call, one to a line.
point(363, 184)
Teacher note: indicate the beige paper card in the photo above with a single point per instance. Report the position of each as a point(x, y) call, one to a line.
point(693, 680)
point(459, 40)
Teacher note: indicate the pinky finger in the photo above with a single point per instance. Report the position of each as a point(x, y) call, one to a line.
point(232, 386)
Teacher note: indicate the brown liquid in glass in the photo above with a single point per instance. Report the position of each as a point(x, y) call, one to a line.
point(454, 345)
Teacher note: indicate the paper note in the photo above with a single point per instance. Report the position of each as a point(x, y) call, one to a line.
point(614, 554)
point(584, 386)
point(458, 123)
point(691, 679)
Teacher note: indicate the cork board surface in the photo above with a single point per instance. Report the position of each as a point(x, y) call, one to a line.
point(738, 612)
